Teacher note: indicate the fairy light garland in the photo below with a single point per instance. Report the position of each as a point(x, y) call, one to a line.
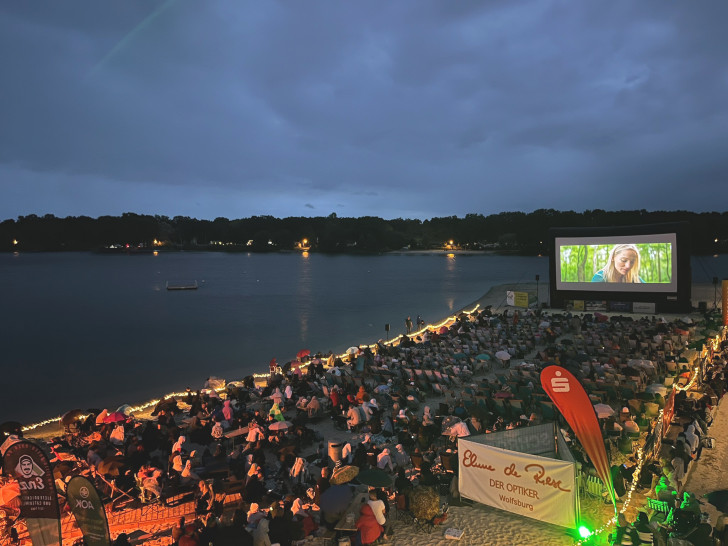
point(636, 475)
point(692, 381)
point(151, 403)
point(628, 499)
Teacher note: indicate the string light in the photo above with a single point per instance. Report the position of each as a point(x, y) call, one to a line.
point(641, 460)
point(446, 322)
point(627, 500)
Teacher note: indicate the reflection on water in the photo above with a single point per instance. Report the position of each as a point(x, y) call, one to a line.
point(101, 314)
point(304, 296)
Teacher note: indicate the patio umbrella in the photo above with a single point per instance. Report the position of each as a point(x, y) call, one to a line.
point(374, 477)
point(303, 353)
point(460, 355)
point(483, 356)
point(719, 499)
point(125, 409)
point(115, 417)
point(344, 474)
point(603, 410)
point(63, 469)
point(442, 330)
point(336, 499)
point(71, 417)
point(280, 425)
point(657, 388)
point(503, 355)
point(424, 503)
point(352, 350)
point(110, 465)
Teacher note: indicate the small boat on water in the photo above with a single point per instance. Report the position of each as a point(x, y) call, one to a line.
point(184, 285)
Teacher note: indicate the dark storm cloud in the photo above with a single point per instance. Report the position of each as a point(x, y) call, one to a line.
point(395, 109)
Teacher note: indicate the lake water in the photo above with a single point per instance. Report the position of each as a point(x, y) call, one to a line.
point(87, 330)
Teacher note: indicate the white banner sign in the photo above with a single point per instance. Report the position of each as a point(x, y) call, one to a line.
point(528, 485)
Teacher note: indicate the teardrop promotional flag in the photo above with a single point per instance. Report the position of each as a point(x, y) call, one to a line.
point(29, 466)
point(89, 512)
point(569, 396)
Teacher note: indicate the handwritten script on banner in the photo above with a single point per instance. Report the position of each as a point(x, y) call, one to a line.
point(529, 485)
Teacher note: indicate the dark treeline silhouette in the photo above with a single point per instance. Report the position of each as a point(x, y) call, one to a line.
point(510, 231)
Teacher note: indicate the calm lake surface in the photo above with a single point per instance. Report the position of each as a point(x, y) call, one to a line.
point(86, 330)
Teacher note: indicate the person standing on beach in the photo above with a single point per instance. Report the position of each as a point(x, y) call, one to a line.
point(408, 324)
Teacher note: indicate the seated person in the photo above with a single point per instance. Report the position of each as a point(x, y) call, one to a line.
point(665, 492)
point(313, 407)
point(384, 460)
point(148, 477)
point(368, 528)
point(255, 514)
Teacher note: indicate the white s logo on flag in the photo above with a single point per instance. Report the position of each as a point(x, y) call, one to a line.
point(560, 384)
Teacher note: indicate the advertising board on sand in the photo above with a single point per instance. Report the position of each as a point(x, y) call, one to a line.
point(29, 466)
point(569, 396)
point(89, 512)
point(529, 485)
point(517, 299)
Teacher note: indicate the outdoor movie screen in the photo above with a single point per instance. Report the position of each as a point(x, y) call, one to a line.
point(632, 263)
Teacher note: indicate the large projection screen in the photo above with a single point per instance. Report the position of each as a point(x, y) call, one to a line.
point(634, 263)
point(618, 264)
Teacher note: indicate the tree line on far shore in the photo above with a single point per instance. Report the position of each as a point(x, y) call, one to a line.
point(507, 231)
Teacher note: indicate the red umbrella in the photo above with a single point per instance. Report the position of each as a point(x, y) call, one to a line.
point(442, 330)
point(115, 417)
point(302, 353)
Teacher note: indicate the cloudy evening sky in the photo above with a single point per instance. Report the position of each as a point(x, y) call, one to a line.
point(407, 108)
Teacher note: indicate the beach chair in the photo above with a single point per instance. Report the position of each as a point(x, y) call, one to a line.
point(658, 506)
point(502, 378)
point(627, 392)
point(517, 407)
point(416, 460)
point(500, 407)
point(547, 411)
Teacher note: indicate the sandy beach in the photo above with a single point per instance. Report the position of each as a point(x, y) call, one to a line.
point(486, 525)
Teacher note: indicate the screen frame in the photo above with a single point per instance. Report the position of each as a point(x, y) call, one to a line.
point(677, 297)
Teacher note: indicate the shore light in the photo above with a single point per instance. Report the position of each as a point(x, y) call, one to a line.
point(15, 241)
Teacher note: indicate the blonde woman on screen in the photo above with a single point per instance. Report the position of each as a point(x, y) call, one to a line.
point(623, 266)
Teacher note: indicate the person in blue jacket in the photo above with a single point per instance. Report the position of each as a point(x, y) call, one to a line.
point(623, 266)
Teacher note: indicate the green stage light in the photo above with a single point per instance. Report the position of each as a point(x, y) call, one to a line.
point(584, 532)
